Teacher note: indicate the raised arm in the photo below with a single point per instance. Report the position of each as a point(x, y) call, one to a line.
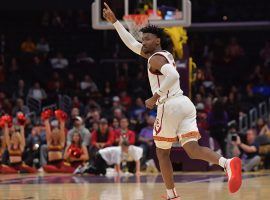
point(6, 135)
point(61, 116)
point(22, 132)
point(48, 130)
point(125, 36)
point(6, 122)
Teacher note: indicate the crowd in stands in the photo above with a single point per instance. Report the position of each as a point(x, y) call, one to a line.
point(104, 111)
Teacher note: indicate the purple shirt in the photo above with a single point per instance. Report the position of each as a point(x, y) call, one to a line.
point(147, 132)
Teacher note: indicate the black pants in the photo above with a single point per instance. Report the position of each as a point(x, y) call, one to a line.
point(99, 166)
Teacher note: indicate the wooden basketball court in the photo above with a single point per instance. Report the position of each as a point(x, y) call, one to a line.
point(205, 186)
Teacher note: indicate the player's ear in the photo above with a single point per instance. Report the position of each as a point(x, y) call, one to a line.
point(158, 41)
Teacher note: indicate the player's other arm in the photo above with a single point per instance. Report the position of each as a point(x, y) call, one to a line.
point(159, 63)
point(125, 36)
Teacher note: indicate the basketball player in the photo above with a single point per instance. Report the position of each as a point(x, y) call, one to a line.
point(176, 114)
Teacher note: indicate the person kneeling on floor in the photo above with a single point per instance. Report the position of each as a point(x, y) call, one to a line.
point(125, 155)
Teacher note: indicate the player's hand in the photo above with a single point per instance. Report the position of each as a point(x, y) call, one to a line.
point(108, 14)
point(151, 102)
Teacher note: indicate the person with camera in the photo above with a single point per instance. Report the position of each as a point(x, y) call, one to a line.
point(250, 157)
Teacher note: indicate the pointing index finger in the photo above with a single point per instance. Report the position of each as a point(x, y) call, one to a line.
point(106, 5)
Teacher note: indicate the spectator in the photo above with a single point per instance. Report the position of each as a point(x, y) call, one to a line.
point(88, 85)
point(20, 91)
point(84, 58)
point(103, 137)
point(37, 92)
point(92, 118)
point(117, 104)
point(20, 107)
point(28, 46)
point(59, 62)
point(79, 127)
point(92, 106)
point(265, 54)
point(250, 158)
point(118, 113)
point(217, 120)
point(137, 112)
point(115, 124)
point(2, 73)
point(2, 43)
point(124, 132)
point(43, 46)
point(146, 137)
point(233, 49)
point(125, 99)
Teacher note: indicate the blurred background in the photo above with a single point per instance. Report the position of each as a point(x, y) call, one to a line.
point(51, 57)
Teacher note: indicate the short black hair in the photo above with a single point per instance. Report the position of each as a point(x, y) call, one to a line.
point(159, 32)
point(124, 141)
point(166, 42)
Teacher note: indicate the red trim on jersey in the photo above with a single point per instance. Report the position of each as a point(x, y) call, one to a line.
point(160, 127)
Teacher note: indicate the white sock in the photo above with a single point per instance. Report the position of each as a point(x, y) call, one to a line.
point(222, 161)
point(171, 193)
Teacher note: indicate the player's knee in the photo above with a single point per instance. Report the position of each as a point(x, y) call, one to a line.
point(192, 149)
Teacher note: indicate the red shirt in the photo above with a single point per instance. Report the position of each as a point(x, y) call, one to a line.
point(98, 137)
point(129, 134)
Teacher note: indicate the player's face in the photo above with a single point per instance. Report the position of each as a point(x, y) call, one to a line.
point(150, 42)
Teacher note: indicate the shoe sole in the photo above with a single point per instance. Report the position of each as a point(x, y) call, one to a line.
point(236, 179)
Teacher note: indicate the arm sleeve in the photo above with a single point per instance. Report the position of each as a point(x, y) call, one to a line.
point(171, 76)
point(127, 38)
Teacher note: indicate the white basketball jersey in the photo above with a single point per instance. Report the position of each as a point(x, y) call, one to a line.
point(157, 79)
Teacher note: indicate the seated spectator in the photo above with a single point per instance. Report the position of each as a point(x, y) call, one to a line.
point(118, 113)
point(59, 62)
point(265, 53)
point(217, 121)
point(250, 158)
point(103, 137)
point(2, 73)
point(137, 112)
point(92, 118)
point(79, 127)
point(37, 92)
point(233, 49)
point(115, 124)
point(43, 46)
point(124, 132)
point(84, 58)
point(88, 85)
point(125, 154)
point(20, 107)
point(146, 137)
point(33, 141)
point(28, 46)
point(76, 153)
point(125, 100)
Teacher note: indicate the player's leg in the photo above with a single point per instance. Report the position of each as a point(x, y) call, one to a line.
point(163, 153)
point(164, 134)
point(189, 136)
point(232, 166)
